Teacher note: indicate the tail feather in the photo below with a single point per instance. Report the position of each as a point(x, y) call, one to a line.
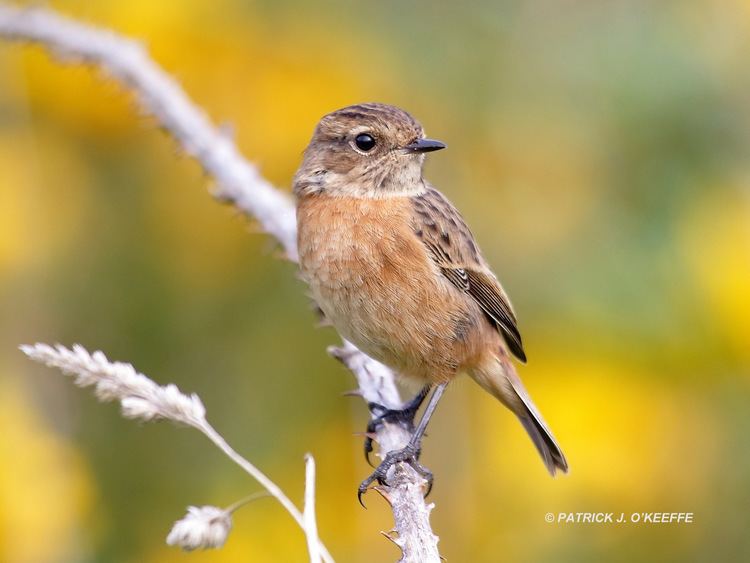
point(545, 444)
point(506, 386)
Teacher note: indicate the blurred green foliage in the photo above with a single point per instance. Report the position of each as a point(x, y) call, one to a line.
point(598, 149)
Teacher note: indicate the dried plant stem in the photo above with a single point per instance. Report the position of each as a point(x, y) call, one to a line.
point(247, 500)
point(143, 399)
point(239, 183)
point(316, 549)
point(311, 523)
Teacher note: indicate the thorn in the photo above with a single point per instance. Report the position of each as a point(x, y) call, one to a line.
point(227, 130)
point(384, 493)
point(280, 254)
point(337, 353)
point(215, 191)
point(253, 227)
point(234, 212)
point(397, 542)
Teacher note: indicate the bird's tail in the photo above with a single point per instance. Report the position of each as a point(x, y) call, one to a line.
point(499, 378)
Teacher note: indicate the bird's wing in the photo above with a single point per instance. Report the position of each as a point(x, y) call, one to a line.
point(451, 245)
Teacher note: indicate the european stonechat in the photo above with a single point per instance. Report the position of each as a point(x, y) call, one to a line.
point(393, 266)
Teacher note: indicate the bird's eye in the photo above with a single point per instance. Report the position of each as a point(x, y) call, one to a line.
point(364, 142)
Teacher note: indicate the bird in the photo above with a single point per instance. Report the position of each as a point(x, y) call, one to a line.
point(394, 268)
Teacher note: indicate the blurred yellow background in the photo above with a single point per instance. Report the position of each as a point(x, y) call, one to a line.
point(599, 150)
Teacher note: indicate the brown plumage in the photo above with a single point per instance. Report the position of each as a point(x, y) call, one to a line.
point(394, 267)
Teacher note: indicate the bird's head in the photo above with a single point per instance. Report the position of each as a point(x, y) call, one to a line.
point(366, 150)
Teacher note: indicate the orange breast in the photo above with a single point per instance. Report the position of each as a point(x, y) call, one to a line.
point(375, 282)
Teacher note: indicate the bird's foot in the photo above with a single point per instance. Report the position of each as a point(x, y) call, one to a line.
point(382, 414)
point(408, 454)
point(404, 417)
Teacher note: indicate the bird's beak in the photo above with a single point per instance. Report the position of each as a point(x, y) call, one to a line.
point(424, 145)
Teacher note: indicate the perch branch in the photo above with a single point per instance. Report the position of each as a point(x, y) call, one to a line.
point(239, 183)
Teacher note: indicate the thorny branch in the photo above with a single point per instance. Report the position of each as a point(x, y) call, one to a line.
point(239, 183)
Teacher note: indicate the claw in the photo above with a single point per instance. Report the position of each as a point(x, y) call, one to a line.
point(407, 454)
point(360, 492)
point(425, 473)
point(429, 486)
point(368, 451)
point(369, 436)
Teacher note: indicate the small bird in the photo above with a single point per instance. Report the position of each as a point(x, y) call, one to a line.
point(393, 266)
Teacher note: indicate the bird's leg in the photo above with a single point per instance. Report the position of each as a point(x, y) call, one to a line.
point(409, 453)
point(405, 415)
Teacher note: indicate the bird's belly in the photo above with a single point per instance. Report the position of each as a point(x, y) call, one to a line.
point(380, 290)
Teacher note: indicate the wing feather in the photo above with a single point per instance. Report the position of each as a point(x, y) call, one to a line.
point(451, 245)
